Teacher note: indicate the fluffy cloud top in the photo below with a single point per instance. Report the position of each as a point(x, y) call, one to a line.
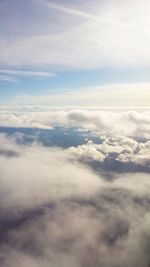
point(128, 123)
point(116, 153)
point(55, 211)
point(57, 208)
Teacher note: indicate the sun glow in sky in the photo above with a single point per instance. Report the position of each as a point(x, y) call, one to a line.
point(53, 51)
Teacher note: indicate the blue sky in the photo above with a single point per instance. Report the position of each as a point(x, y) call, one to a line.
point(56, 49)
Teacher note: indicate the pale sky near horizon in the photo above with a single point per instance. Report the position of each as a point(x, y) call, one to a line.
point(75, 53)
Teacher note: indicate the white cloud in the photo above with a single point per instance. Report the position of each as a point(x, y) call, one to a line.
point(6, 78)
point(90, 43)
point(25, 73)
point(32, 176)
point(68, 10)
point(102, 122)
point(57, 212)
point(115, 153)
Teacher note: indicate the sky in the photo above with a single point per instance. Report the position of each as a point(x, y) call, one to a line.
point(74, 133)
point(74, 53)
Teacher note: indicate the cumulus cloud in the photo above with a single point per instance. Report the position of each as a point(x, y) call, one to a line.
point(128, 123)
point(115, 153)
point(57, 210)
point(79, 233)
point(32, 174)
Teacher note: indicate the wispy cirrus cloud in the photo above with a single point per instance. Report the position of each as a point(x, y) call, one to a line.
point(102, 39)
point(87, 15)
point(12, 75)
point(7, 78)
point(72, 11)
point(26, 73)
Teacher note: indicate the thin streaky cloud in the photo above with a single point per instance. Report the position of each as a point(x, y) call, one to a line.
point(6, 78)
point(26, 73)
point(70, 11)
point(87, 15)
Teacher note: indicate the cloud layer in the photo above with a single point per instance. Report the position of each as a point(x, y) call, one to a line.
point(79, 35)
point(82, 206)
point(128, 123)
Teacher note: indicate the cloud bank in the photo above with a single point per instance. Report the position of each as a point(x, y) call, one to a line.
point(115, 154)
point(128, 123)
point(82, 206)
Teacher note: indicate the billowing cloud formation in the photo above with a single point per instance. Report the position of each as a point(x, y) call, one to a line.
point(128, 123)
point(33, 175)
point(83, 206)
point(116, 153)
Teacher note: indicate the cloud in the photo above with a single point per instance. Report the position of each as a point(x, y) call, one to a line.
point(73, 11)
point(100, 122)
point(7, 75)
point(116, 154)
point(57, 209)
point(83, 41)
point(7, 78)
point(57, 212)
point(68, 10)
point(26, 73)
point(19, 167)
